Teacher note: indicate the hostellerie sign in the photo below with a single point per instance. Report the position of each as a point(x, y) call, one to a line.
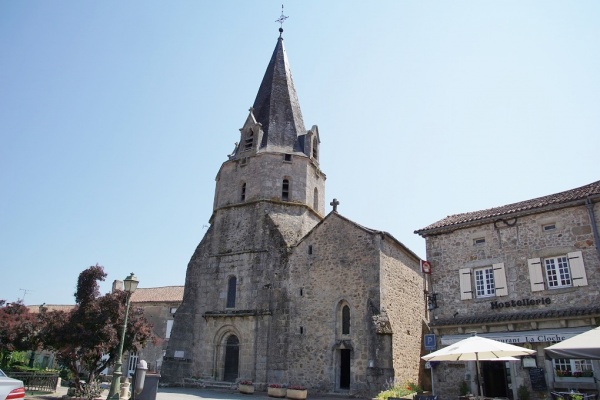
point(520, 303)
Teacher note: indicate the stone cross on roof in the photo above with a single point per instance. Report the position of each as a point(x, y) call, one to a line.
point(334, 203)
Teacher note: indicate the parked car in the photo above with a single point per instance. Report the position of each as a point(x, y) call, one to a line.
point(11, 389)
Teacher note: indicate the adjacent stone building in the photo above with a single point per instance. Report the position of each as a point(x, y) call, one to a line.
point(159, 305)
point(279, 292)
point(526, 273)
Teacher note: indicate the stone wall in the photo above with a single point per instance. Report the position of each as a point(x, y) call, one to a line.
point(337, 264)
point(513, 243)
point(157, 313)
point(403, 301)
point(263, 175)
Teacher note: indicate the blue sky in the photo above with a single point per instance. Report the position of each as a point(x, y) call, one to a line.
point(116, 116)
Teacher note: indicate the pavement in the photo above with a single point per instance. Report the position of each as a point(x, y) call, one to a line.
point(178, 393)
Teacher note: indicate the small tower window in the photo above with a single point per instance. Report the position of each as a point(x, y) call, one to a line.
point(316, 199)
point(478, 241)
point(285, 190)
point(231, 289)
point(315, 149)
point(287, 157)
point(345, 320)
point(249, 140)
point(243, 194)
point(310, 249)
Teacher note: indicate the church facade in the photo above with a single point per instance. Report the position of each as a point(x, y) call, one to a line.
point(278, 291)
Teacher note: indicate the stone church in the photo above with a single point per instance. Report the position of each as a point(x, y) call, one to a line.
point(278, 291)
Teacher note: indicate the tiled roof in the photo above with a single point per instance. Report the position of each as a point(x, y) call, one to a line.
point(51, 307)
point(523, 316)
point(556, 200)
point(165, 294)
point(158, 294)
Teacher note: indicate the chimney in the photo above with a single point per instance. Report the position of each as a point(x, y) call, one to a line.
point(117, 285)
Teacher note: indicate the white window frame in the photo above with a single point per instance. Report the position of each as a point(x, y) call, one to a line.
point(572, 364)
point(538, 276)
point(484, 282)
point(467, 281)
point(558, 273)
point(169, 328)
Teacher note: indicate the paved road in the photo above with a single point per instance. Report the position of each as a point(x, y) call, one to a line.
point(194, 394)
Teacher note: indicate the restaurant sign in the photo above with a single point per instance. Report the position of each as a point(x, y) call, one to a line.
point(541, 336)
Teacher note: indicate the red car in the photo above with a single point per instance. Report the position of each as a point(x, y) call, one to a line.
point(10, 389)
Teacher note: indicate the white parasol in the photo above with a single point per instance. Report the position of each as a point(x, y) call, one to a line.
point(477, 348)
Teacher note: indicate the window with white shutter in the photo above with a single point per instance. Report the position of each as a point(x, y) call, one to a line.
point(557, 272)
point(500, 279)
point(536, 276)
point(466, 291)
point(482, 282)
point(577, 269)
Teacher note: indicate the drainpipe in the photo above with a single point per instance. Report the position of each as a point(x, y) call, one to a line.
point(590, 207)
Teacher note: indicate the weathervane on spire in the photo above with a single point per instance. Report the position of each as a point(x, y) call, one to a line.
point(281, 20)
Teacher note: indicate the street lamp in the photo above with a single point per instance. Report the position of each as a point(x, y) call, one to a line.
point(130, 284)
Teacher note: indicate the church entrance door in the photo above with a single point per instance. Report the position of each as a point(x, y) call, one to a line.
point(344, 369)
point(232, 359)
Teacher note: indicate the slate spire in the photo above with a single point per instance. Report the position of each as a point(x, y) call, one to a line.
point(276, 106)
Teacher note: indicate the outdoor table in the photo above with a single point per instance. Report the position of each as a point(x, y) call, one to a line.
point(573, 396)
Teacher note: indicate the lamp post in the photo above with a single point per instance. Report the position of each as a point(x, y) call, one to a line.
point(129, 285)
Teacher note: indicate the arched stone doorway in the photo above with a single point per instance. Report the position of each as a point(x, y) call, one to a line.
point(232, 359)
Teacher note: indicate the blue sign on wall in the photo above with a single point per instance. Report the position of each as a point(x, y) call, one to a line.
point(430, 342)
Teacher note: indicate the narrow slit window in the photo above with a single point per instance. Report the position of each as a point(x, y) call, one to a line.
point(549, 227)
point(249, 140)
point(345, 320)
point(315, 149)
point(310, 249)
point(243, 194)
point(285, 190)
point(231, 289)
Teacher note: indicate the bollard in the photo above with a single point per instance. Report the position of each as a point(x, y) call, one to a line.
point(124, 395)
point(140, 376)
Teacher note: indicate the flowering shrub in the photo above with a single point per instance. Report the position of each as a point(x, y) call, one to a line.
point(245, 382)
point(296, 387)
point(575, 374)
point(275, 385)
point(396, 390)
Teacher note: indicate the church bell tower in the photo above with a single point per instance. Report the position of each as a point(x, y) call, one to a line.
point(269, 194)
point(276, 160)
